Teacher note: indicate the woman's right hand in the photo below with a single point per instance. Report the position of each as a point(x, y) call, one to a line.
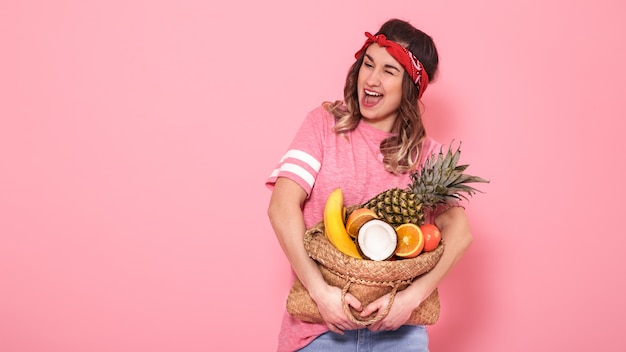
point(286, 217)
point(329, 304)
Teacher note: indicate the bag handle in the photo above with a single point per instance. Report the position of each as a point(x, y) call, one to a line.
point(378, 317)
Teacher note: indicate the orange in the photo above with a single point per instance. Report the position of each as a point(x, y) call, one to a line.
point(358, 218)
point(432, 236)
point(410, 241)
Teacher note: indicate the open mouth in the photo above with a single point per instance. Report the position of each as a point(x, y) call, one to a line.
point(371, 98)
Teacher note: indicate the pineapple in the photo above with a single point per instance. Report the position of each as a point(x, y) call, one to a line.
point(440, 181)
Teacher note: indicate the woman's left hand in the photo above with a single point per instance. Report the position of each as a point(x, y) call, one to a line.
point(401, 309)
point(455, 232)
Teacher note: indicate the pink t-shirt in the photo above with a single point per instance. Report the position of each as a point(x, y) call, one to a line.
point(320, 161)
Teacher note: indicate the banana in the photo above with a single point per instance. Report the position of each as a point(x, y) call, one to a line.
point(334, 213)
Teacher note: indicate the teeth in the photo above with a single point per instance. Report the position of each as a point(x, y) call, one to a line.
point(369, 92)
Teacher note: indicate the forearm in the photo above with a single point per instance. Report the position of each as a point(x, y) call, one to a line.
point(289, 229)
point(457, 237)
point(287, 220)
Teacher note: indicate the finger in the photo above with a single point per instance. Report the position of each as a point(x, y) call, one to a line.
point(369, 309)
point(377, 326)
point(349, 324)
point(353, 302)
point(334, 328)
point(356, 326)
point(374, 327)
point(344, 327)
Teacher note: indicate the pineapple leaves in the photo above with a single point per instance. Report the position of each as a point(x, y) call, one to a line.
point(441, 180)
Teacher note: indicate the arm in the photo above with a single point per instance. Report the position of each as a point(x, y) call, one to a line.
point(455, 232)
point(285, 214)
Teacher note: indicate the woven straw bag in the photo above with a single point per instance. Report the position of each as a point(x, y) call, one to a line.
point(367, 280)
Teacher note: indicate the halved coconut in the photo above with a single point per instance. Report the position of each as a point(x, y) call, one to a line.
point(377, 240)
point(357, 218)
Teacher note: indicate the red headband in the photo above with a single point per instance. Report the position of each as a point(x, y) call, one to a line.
point(411, 64)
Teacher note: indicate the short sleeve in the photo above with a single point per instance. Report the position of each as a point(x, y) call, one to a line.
point(303, 159)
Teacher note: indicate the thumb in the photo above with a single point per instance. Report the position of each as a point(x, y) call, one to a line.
point(353, 302)
point(371, 308)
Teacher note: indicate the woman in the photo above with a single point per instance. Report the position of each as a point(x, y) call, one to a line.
point(365, 144)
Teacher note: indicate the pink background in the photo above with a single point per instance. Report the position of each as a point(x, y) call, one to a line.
point(135, 138)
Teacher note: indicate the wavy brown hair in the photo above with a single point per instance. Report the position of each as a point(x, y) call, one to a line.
point(401, 150)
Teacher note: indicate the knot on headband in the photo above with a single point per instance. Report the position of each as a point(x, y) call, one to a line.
point(411, 64)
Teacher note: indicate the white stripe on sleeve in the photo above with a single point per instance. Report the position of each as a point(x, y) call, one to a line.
point(300, 171)
point(304, 157)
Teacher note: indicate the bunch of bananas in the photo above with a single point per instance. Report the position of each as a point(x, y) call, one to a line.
point(335, 228)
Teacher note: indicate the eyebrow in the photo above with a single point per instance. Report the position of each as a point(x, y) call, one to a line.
point(386, 65)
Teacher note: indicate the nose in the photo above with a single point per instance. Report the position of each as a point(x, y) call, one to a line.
point(373, 78)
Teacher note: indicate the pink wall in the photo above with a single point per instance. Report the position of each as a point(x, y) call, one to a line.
point(135, 137)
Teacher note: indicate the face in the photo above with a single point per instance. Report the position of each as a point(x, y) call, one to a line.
point(379, 88)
